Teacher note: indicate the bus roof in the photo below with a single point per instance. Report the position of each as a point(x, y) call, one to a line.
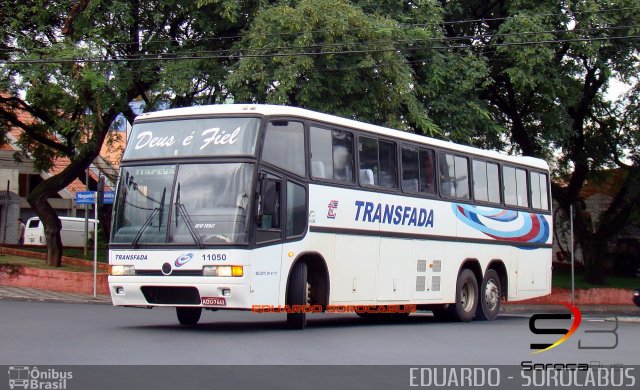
point(276, 110)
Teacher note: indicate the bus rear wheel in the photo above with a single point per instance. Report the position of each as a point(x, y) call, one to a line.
point(188, 315)
point(297, 296)
point(490, 295)
point(466, 297)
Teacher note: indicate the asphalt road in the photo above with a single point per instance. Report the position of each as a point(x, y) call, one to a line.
point(80, 334)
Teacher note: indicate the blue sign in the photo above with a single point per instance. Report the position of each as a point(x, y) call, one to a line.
point(85, 197)
point(109, 196)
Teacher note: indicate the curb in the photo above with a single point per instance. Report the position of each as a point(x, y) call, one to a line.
point(28, 294)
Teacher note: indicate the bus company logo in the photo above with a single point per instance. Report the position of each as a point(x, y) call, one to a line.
point(505, 225)
point(606, 339)
point(566, 333)
point(333, 205)
point(183, 259)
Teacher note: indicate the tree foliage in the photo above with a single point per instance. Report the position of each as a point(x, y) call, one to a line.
point(519, 76)
point(550, 64)
point(333, 57)
point(74, 66)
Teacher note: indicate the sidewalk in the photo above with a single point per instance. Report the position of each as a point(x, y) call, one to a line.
point(588, 310)
point(38, 295)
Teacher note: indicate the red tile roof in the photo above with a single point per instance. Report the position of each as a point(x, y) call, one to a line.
point(110, 152)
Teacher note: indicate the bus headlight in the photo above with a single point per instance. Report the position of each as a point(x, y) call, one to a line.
point(223, 270)
point(123, 270)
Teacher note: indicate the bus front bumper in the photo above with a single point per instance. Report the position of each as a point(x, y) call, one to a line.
point(206, 292)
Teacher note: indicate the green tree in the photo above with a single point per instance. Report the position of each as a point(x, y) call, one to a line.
point(550, 63)
point(331, 56)
point(73, 66)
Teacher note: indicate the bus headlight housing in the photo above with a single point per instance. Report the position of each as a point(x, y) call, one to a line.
point(123, 270)
point(223, 270)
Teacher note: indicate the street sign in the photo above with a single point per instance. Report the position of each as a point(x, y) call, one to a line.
point(109, 196)
point(85, 197)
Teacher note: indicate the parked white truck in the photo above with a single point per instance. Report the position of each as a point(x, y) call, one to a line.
point(72, 233)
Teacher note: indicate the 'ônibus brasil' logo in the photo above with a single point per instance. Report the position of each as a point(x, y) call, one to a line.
point(183, 259)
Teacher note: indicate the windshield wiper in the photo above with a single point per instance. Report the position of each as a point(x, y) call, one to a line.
point(180, 209)
point(145, 225)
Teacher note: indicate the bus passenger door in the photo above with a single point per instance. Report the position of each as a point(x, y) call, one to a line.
point(266, 259)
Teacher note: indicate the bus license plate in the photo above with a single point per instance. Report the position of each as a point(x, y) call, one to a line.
point(213, 301)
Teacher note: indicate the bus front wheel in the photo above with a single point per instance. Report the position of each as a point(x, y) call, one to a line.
point(188, 315)
point(466, 296)
point(297, 294)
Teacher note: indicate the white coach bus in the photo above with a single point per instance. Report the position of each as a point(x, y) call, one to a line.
point(245, 206)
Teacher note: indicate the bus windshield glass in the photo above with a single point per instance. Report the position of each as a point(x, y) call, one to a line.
point(190, 204)
point(192, 138)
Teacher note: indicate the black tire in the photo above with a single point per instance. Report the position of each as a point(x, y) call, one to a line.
point(188, 315)
point(297, 295)
point(466, 297)
point(490, 296)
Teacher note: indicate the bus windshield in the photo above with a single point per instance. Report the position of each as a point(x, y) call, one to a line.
point(192, 138)
point(190, 204)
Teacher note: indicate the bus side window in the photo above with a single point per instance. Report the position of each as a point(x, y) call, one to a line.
point(296, 209)
point(368, 151)
point(342, 156)
point(515, 187)
point(271, 203)
point(378, 159)
point(284, 146)
point(486, 184)
point(268, 219)
point(539, 198)
point(331, 154)
point(454, 176)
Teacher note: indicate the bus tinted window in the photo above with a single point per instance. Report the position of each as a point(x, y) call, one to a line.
point(331, 154)
point(377, 163)
point(296, 209)
point(388, 164)
point(539, 197)
point(454, 176)
point(515, 186)
point(284, 146)
point(486, 183)
point(418, 170)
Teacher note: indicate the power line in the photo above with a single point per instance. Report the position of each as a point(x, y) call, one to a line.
point(230, 56)
point(403, 26)
point(397, 41)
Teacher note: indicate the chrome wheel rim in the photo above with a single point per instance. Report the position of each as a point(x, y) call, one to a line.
point(491, 295)
point(467, 297)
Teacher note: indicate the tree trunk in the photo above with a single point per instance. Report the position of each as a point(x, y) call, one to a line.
point(104, 216)
point(593, 255)
point(52, 227)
